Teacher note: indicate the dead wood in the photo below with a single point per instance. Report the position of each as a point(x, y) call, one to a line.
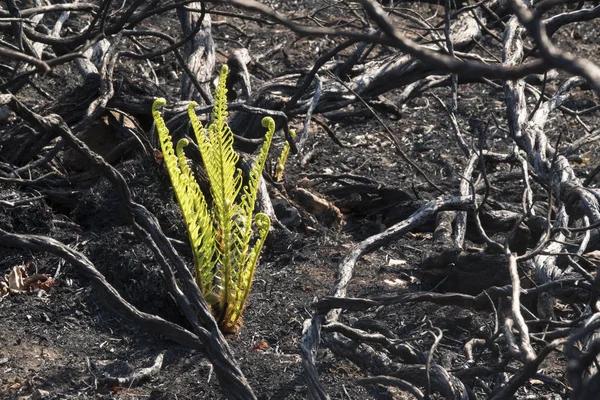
point(380, 364)
point(135, 378)
point(199, 53)
point(482, 300)
point(326, 212)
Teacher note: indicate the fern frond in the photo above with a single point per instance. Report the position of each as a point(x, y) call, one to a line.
point(221, 238)
point(220, 161)
point(248, 202)
point(246, 274)
point(246, 258)
point(193, 205)
point(281, 161)
point(251, 189)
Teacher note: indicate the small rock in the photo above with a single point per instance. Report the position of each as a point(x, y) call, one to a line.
point(40, 394)
point(286, 213)
point(5, 114)
point(327, 213)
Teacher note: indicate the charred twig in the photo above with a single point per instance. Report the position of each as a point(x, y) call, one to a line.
point(395, 347)
point(460, 299)
point(391, 381)
point(136, 377)
point(528, 370)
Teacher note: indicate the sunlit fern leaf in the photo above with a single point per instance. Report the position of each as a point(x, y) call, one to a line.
point(251, 189)
point(282, 160)
point(203, 236)
point(225, 184)
point(193, 205)
point(246, 275)
point(248, 201)
point(222, 237)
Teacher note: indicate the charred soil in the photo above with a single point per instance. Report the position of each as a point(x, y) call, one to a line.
point(61, 341)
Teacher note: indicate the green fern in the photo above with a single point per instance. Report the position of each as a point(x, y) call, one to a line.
point(225, 245)
point(280, 167)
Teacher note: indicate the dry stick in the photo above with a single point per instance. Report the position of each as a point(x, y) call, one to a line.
point(451, 110)
point(51, 63)
point(313, 73)
point(480, 301)
point(42, 160)
point(419, 87)
point(555, 22)
point(365, 356)
point(136, 377)
point(17, 55)
point(469, 348)
point(199, 52)
point(391, 381)
point(462, 145)
point(396, 41)
point(528, 370)
point(145, 225)
point(89, 38)
point(92, 31)
point(303, 135)
point(530, 137)
point(91, 62)
point(395, 346)
point(330, 132)
point(524, 351)
point(527, 199)
point(588, 361)
point(52, 8)
point(550, 53)
point(578, 362)
point(436, 341)
point(17, 27)
point(174, 47)
point(312, 328)
point(460, 229)
point(38, 48)
point(594, 136)
point(152, 9)
point(421, 216)
point(27, 200)
point(403, 68)
point(479, 206)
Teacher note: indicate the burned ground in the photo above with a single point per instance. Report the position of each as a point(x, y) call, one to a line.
point(64, 341)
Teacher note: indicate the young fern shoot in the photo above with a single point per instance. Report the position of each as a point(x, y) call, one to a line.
point(282, 160)
point(227, 239)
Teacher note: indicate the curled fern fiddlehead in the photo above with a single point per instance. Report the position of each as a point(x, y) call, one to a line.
point(225, 245)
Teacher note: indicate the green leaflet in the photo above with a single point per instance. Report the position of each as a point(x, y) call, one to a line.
point(226, 240)
point(280, 167)
point(197, 217)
